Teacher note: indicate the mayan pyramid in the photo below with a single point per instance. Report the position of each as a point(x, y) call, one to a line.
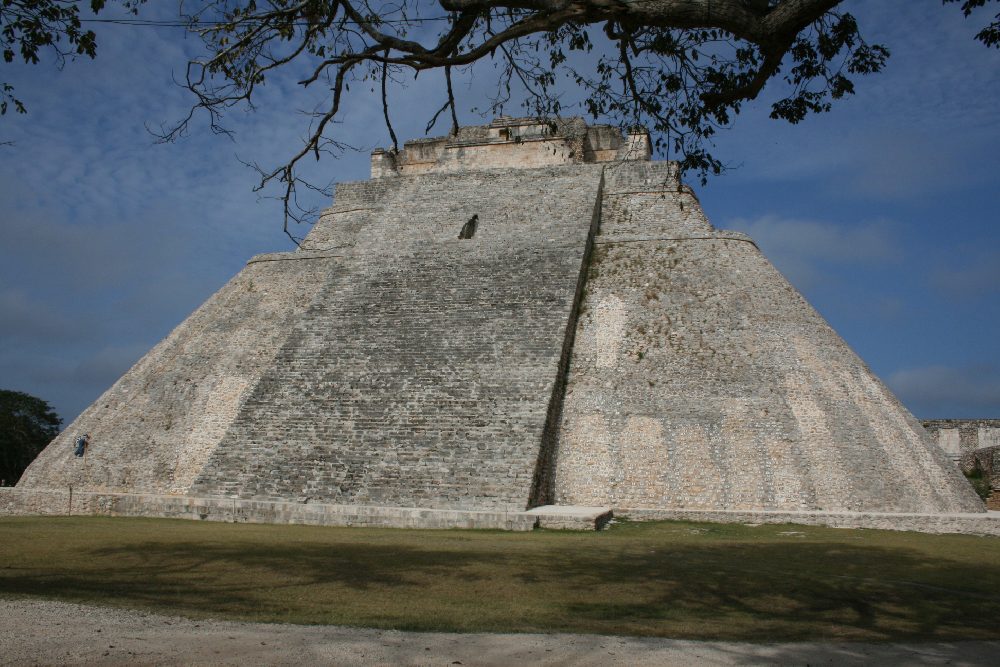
point(595, 342)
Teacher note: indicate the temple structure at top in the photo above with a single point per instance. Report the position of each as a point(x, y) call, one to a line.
point(514, 143)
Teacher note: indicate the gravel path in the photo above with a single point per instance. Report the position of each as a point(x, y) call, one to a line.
point(54, 633)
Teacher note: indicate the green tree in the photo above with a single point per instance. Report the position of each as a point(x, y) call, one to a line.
point(27, 425)
point(30, 27)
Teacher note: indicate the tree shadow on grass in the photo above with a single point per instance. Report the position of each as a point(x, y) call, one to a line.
point(741, 590)
point(229, 579)
point(795, 591)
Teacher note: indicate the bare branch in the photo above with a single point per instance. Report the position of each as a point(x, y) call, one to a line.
point(451, 100)
point(385, 106)
point(683, 67)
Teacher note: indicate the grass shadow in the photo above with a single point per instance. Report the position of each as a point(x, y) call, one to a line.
point(679, 580)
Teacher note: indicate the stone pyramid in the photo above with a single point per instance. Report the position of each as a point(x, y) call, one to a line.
point(595, 342)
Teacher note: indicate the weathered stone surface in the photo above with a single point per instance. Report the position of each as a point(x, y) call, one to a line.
point(34, 502)
point(24, 502)
point(596, 342)
point(513, 143)
point(701, 379)
point(423, 373)
point(966, 523)
point(961, 437)
point(571, 517)
point(155, 428)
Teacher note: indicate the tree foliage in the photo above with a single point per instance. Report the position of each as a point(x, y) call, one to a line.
point(682, 68)
point(27, 425)
point(990, 35)
point(28, 28)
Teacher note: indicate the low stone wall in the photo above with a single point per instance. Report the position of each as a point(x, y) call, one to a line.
point(17, 502)
point(41, 502)
point(37, 502)
point(968, 524)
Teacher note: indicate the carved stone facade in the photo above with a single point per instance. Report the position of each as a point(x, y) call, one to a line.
point(959, 438)
point(974, 444)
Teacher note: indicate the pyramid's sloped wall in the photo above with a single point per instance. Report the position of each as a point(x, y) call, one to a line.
point(153, 430)
point(701, 379)
point(645, 200)
point(423, 374)
point(389, 363)
point(515, 208)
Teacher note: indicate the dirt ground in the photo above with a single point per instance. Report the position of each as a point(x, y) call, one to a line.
point(35, 632)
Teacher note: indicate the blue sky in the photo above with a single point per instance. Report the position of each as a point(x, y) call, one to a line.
point(884, 212)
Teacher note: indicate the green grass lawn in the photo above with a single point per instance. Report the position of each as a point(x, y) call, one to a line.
point(667, 579)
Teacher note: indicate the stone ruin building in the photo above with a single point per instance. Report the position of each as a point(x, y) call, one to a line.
point(592, 341)
point(973, 444)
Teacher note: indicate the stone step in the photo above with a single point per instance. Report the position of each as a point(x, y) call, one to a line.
point(571, 517)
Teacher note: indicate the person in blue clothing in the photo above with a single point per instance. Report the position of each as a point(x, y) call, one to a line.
point(81, 445)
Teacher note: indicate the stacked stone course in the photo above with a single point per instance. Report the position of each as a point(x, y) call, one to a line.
point(702, 380)
point(155, 428)
point(975, 445)
point(431, 359)
point(596, 342)
point(960, 439)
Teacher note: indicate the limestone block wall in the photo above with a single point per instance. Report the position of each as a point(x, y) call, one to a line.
point(701, 379)
point(596, 342)
point(545, 151)
point(959, 437)
point(526, 208)
point(461, 156)
point(513, 143)
point(645, 200)
point(154, 429)
point(423, 373)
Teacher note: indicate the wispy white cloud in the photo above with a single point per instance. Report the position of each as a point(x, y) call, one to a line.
point(949, 391)
point(68, 382)
point(804, 250)
point(898, 164)
point(920, 128)
point(926, 91)
point(105, 365)
point(23, 320)
point(972, 274)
